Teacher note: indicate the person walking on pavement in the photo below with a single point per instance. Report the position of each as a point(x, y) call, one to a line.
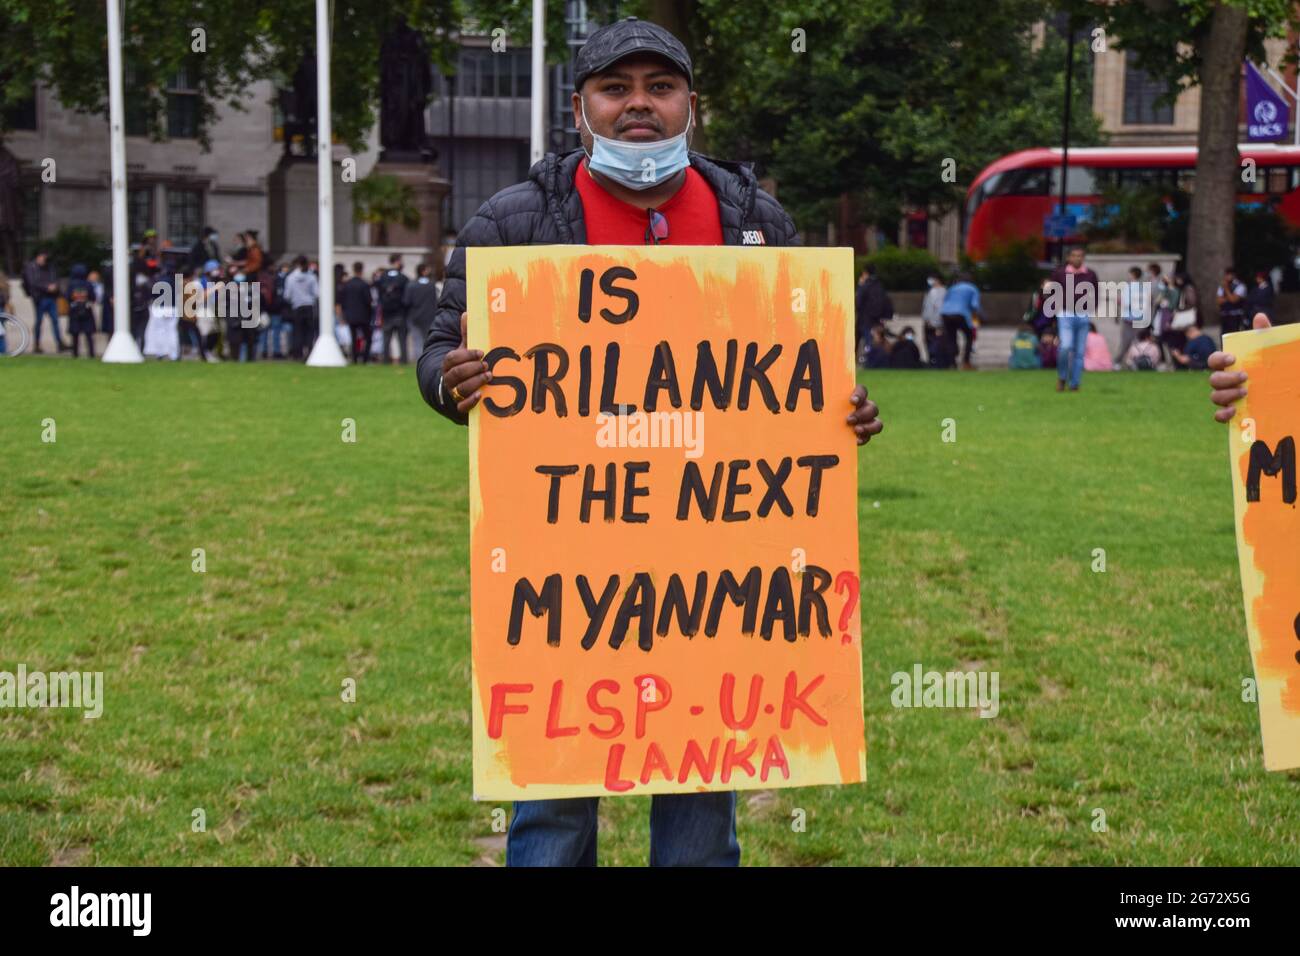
point(1260, 296)
point(301, 293)
point(392, 290)
point(144, 267)
point(932, 320)
point(271, 342)
point(420, 302)
point(1231, 297)
point(81, 314)
point(356, 309)
point(960, 311)
point(243, 327)
point(633, 89)
point(41, 283)
point(1133, 306)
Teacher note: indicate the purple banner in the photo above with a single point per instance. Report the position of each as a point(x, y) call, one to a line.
point(1267, 114)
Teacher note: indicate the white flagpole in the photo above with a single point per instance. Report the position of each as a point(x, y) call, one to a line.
point(539, 82)
point(326, 352)
point(121, 346)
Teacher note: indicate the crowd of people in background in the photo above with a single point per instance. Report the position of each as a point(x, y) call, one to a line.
point(1159, 322)
point(277, 313)
point(1159, 330)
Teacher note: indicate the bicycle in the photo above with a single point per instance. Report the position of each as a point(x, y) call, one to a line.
point(14, 337)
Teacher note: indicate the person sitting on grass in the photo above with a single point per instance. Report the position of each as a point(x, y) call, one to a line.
point(878, 347)
point(1024, 349)
point(1196, 354)
point(1048, 349)
point(1144, 354)
point(1227, 388)
point(905, 353)
point(1096, 353)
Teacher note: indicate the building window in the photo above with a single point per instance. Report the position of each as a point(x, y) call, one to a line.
point(184, 216)
point(139, 212)
point(21, 115)
point(1140, 94)
point(482, 73)
point(183, 104)
point(523, 64)
point(136, 104)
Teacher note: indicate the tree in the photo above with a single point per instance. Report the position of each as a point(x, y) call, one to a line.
point(887, 102)
point(379, 199)
point(61, 43)
point(1190, 42)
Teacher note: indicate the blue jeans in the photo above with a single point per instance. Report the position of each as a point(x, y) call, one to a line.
point(1069, 356)
point(45, 305)
point(686, 829)
point(273, 334)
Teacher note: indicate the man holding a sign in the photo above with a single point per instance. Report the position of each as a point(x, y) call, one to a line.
point(666, 324)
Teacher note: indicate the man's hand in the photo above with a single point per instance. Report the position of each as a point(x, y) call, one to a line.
point(863, 420)
point(464, 373)
point(1227, 386)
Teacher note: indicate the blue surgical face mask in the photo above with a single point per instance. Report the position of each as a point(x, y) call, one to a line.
point(638, 165)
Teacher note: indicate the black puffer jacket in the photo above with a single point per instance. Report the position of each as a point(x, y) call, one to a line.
point(547, 210)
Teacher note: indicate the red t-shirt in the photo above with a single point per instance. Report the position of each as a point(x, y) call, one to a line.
point(692, 214)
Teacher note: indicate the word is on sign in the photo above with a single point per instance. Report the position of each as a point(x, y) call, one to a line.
point(1262, 453)
point(663, 521)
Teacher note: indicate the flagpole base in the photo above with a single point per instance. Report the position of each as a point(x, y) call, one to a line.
point(326, 353)
point(122, 348)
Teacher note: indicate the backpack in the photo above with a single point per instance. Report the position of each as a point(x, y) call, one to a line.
point(390, 293)
point(1143, 363)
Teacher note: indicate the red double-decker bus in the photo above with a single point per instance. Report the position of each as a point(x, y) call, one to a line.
point(1011, 198)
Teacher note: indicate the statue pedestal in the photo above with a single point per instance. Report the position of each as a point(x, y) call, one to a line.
point(429, 188)
point(292, 208)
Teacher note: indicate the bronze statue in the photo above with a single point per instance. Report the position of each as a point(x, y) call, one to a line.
point(405, 84)
point(298, 109)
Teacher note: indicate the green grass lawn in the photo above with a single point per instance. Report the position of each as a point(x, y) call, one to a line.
point(1120, 691)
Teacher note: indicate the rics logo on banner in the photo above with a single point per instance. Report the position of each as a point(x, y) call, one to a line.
point(1268, 115)
point(1266, 125)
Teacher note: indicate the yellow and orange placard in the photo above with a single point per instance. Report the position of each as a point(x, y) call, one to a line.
point(664, 525)
point(1262, 450)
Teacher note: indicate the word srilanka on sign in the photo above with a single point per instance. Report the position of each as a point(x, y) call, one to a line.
point(664, 525)
point(1262, 451)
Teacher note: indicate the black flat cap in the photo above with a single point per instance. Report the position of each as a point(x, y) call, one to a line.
point(623, 38)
